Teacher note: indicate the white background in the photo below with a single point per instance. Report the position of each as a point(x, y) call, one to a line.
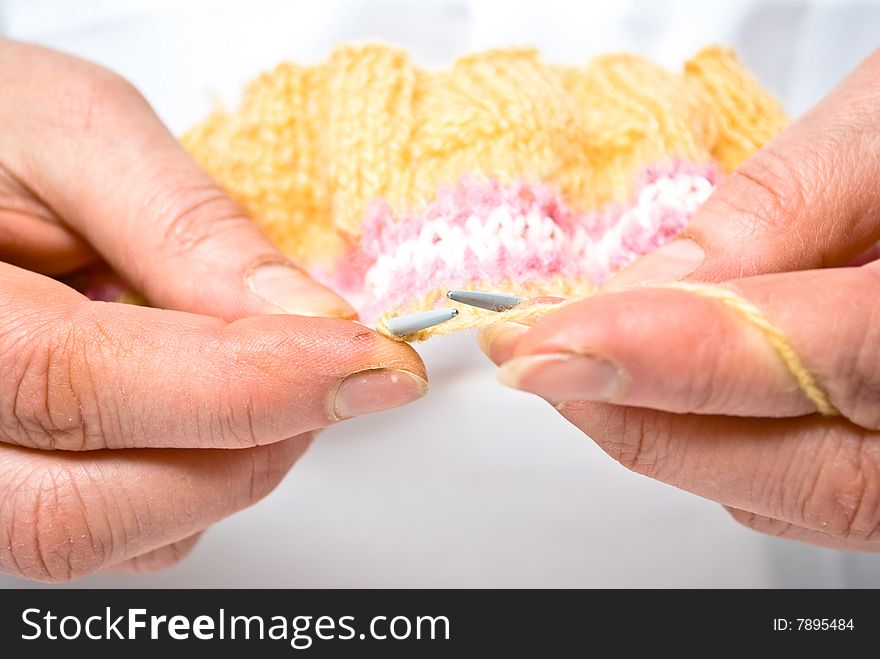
point(475, 485)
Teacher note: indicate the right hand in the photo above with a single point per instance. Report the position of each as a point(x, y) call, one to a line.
point(685, 389)
point(125, 431)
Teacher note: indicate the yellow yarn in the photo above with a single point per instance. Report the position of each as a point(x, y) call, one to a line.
point(746, 310)
point(774, 336)
point(310, 147)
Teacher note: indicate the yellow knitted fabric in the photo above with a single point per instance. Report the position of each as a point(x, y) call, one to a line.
point(310, 147)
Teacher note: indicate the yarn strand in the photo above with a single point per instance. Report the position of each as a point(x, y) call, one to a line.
point(470, 318)
point(773, 335)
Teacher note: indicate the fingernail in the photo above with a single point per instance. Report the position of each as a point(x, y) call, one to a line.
point(671, 262)
point(499, 340)
point(375, 390)
point(564, 376)
point(293, 292)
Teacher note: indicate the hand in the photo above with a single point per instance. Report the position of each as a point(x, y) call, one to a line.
point(680, 388)
point(116, 421)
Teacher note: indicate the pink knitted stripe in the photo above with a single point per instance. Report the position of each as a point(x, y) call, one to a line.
point(490, 232)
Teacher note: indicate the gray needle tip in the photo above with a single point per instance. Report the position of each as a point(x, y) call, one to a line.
point(406, 325)
point(490, 301)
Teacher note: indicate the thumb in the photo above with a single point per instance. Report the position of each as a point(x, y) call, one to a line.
point(808, 199)
point(109, 168)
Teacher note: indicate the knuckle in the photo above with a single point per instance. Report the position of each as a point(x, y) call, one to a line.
point(93, 98)
point(233, 416)
point(707, 389)
point(193, 216)
point(767, 191)
point(858, 498)
point(743, 517)
point(39, 408)
point(858, 378)
point(267, 468)
point(162, 558)
point(842, 495)
point(235, 424)
point(639, 440)
point(759, 523)
point(52, 399)
point(52, 534)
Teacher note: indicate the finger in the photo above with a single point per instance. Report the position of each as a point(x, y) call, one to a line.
point(819, 474)
point(808, 199)
point(65, 515)
point(680, 351)
point(41, 247)
point(780, 529)
point(499, 340)
point(868, 256)
point(84, 375)
point(31, 236)
point(157, 559)
point(108, 166)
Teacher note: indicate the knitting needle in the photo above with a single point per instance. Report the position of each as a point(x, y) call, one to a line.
point(406, 325)
point(490, 301)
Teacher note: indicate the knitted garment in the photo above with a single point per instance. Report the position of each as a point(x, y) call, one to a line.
point(392, 184)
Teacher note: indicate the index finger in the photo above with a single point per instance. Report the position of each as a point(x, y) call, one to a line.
point(84, 375)
point(89, 146)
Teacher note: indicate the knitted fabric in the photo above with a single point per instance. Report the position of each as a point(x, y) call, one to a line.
point(392, 184)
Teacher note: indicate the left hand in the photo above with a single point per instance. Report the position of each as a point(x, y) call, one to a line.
point(126, 431)
point(678, 387)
